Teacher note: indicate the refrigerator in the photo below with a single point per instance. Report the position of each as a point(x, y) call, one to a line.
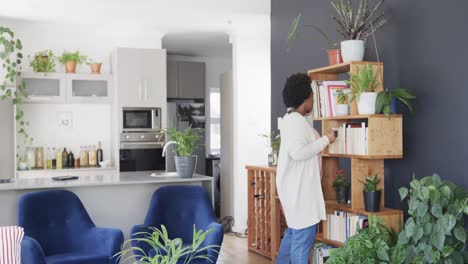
point(182, 114)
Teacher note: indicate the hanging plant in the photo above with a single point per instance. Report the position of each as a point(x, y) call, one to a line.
point(11, 59)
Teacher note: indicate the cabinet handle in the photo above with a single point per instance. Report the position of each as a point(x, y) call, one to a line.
point(146, 92)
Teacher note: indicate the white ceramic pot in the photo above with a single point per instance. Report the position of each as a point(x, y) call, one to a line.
point(366, 103)
point(352, 50)
point(342, 110)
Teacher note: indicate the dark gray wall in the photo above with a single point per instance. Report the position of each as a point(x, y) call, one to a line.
point(424, 48)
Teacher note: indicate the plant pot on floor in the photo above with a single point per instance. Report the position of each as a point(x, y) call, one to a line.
point(70, 67)
point(185, 166)
point(334, 56)
point(341, 195)
point(352, 50)
point(366, 103)
point(372, 201)
point(96, 68)
point(342, 110)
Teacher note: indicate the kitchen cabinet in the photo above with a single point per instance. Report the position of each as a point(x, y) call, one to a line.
point(67, 88)
point(186, 80)
point(141, 77)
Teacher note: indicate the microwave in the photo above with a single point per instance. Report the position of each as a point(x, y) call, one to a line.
point(141, 119)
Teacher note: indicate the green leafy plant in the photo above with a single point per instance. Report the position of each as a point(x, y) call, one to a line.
point(294, 32)
point(371, 183)
point(274, 140)
point(186, 140)
point(364, 81)
point(340, 179)
point(72, 57)
point(384, 99)
point(434, 232)
point(43, 61)
point(374, 244)
point(357, 23)
point(342, 97)
point(167, 251)
point(11, 58)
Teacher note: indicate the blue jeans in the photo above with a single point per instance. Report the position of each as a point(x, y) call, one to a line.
point(296, 245)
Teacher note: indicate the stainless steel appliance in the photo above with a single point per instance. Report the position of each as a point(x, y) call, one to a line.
point(142, 151)
point(139, 119)
point(180, 115)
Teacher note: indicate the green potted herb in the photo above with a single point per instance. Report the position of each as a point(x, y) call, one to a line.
point(95, 66)
point(185, 142)
point(342, 107)
point(43, 61)
point(340, 184)
point(372, 194)
point(274, 142)
point(387, 100)
point(71, 59)
point(363, 85)
point(165, 250)
point(334, 54)
point(356, 22)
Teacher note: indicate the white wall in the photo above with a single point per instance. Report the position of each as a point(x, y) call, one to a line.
point(7, 158)
point(215, 67)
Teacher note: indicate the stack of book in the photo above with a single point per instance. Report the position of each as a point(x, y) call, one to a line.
point(343, 225)
point(321, 252)
point(351, 139)
point(326, 97)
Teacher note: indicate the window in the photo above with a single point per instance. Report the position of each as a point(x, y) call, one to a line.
point(215, 121)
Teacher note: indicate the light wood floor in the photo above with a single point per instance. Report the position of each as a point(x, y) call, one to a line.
point(234, 251)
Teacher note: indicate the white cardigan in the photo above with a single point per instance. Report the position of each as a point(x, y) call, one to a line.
point(298, 173)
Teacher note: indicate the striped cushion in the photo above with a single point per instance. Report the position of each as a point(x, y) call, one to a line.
point(10, 249)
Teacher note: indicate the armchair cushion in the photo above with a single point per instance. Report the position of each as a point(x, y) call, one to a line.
point(77, 258)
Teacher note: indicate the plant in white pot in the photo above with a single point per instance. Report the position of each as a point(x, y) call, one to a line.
point(186, 141)
point(363, 85)
point(356, 22)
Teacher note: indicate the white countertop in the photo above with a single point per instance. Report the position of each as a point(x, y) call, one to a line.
point(100, 179)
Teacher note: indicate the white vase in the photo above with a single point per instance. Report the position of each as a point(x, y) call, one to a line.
point(366, 103)
point(352, 50)
point(342, 110)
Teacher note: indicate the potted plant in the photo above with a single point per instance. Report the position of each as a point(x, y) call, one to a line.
point(43, 61)
point(95, 67)
point(342, 107)
point(274, 142)
point(371, 193)
point(355, 23)
point(340, 184)
point(71, 59)
point(363, 85)
point(387, 101)
point(334, 54)
point(186, 141)
point(164, 250)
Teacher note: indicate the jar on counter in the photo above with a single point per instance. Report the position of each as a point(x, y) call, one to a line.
point(84, 157)
point(92, 156)
point(30, 158)
point(40, 158)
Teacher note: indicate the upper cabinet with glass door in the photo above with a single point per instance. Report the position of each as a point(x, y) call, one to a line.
point(67, 88)
point(44, 87)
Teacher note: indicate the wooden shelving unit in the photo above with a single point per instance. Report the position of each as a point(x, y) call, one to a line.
point(385, 141)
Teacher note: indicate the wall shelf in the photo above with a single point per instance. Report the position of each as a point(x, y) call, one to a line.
point(351, 117)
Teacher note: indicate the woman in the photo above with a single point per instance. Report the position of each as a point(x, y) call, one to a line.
point(298, 174)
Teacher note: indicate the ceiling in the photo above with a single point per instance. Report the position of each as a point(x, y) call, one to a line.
point(198, 44)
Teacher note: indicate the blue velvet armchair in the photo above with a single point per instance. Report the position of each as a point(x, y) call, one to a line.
point(58, 230)
point(179, 208)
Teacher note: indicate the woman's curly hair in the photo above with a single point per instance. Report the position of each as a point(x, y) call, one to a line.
point(296, 90)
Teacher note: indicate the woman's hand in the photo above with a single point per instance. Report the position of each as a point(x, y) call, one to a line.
point(331, 135)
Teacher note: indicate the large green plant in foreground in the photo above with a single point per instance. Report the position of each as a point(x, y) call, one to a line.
point(167, 251)
point(434, 232)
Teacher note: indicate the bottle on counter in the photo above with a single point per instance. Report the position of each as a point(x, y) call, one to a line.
point(54, 160)
point(77, 163)
point(100, 154)
point(48, 159)
point(71, 160)
point(84, 157)
point(39, 158)
point(30, 158)
point(58, 158)
point(92, 156)
point(64, 158)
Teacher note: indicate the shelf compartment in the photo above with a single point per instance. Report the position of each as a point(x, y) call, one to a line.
point(320, 237)
point(330, 204)
point(348, 117)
